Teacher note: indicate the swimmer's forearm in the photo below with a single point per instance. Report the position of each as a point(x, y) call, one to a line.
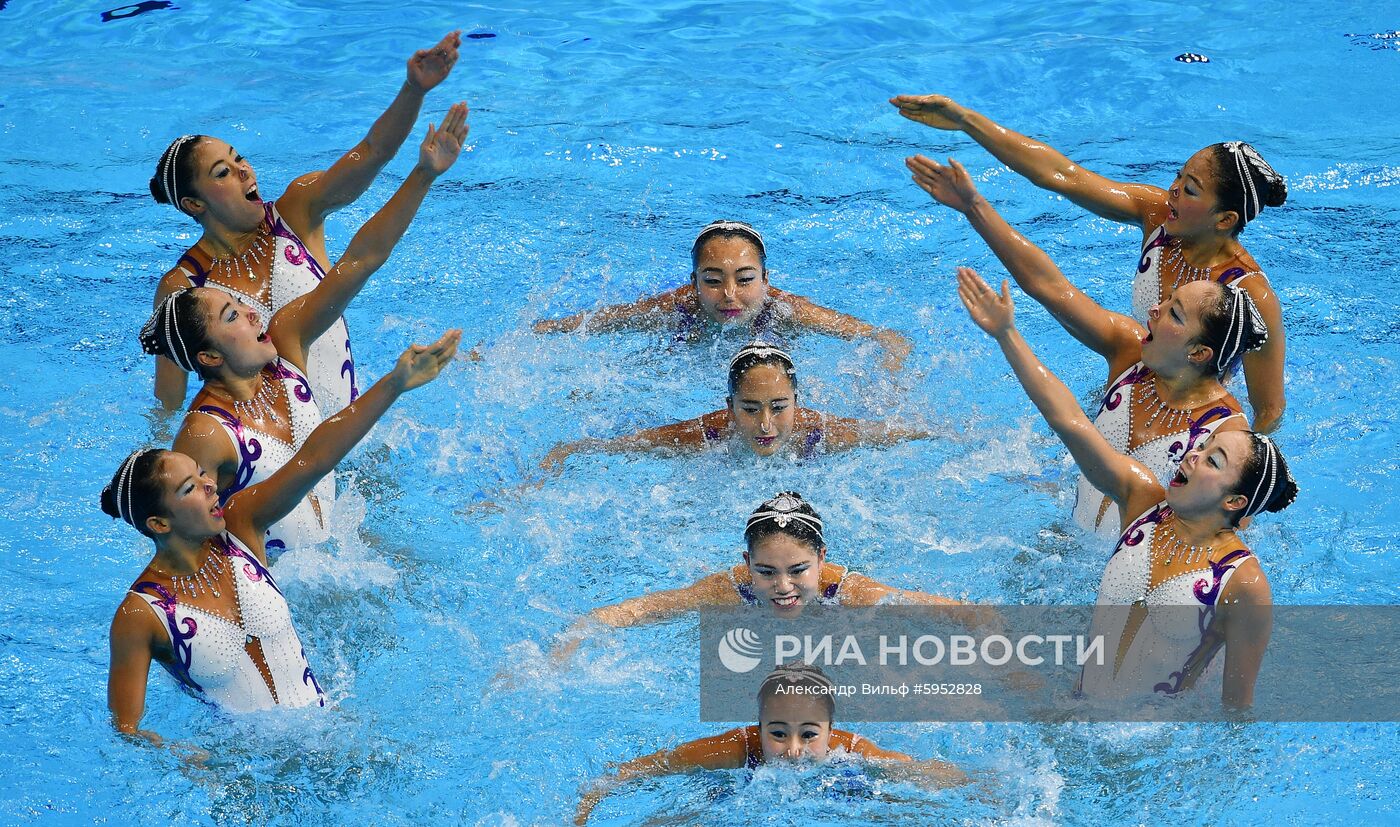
point(1052, 397)
point(392, 128)
point(1041, 164)
point(1034, 271)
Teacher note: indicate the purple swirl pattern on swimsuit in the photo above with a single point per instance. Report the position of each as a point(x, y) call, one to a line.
point(1114, 397)
point(179, 639)
point(310, 680)
point(295, 252)
point(302, 388)
point(252, 569)
point(1178, 450)
point(1208, 592)
point(1158, 240)
point(348, 370)
point(249, 450)
point(1210, 644)
point(1133, 534)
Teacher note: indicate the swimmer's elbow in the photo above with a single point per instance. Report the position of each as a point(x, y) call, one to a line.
point(1268, 418)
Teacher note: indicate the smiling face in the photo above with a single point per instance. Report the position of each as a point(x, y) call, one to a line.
point(764, 409)
point(189, 498)
point(794, 727)
point(235, 331)
point(729, 280)
point(1207, 477)
point(786, 572)
point(1175, 328)
point(1192, 208)
point(226, 188)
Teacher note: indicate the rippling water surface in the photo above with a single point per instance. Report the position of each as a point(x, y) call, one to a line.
point(602, 136)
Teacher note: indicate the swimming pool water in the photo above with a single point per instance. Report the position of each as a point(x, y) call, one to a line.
point(603, 136)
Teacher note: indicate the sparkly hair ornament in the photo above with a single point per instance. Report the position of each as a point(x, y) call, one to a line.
point(161, 336)
point(761, 351)
point(1247, 157)
point(167, 170)
point(738, 227)
point(795, 674)
point(1247, 330)
point(1272, 475)
point(121, 493)
point(783, 510)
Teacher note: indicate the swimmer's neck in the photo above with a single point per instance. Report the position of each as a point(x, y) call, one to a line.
point(179, 556)
point(222, 242)
point(1208, 250)
point(1201, 529)
point(1185, 388)
point(235, 387)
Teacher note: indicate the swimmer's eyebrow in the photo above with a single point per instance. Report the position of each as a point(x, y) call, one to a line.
point(743, 400)
point(226, 306)
point(721, 269)
point(183, 481)
point(218, 161)
point(1196, 181)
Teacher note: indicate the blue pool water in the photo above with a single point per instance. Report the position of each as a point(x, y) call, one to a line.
point(602, 136)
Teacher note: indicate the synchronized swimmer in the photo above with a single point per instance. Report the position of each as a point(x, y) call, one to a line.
point(1170, 465)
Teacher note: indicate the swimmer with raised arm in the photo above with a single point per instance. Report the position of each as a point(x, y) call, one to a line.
point(270, 252)
point(729, 289)
point(761, 417)
point(256, 406)
point(1190, 230)
point(796, 722)
point(206, 607)
point(1164, 392)
point(1178, 546)
point(784, 569)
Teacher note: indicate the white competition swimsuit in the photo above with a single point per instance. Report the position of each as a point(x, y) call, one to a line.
point(1161, 455)
point(1170, 649)
point(260, 454)
point(295, 272)
point(1147, 282)
point(211, 652)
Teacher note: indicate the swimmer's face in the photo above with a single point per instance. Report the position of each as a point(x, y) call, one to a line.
point(189, 498)
point(764, 409)
point(1192, 207)
point(1175, 327)
point(786, 572)
point(794, 727)
point(729, 280)
point(1209, 475)
point(226, 188)
point(236, 332)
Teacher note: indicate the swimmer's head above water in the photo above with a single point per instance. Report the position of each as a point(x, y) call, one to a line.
point(206, 179)
point(163, 493)
point(1220, 189)
point(796, 711)
point(1204, 325)
point(762, 397)
point(1241, 473)
point(208, 331)
point(729, 272)
point(786, 550)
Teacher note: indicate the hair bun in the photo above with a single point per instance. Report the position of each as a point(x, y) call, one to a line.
point(157, 192)
point(1284, 497)
point(1277, 194)
point(109, 503)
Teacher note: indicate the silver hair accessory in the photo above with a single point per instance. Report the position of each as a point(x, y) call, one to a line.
point(1269, 474)
point(1244, 315)
point(762, 350)
point(782, 510)
point(122, 493)
point(172, 190)
point(795, 673)
point(1246, 158)
point(734, 226)
point(179, 355)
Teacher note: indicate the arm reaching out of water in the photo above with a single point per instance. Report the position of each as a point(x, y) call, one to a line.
point(713, 590)
point(1041, 164)
point(812, 316)
point(1117, 475)
point(651, 313)
point(1112, 335)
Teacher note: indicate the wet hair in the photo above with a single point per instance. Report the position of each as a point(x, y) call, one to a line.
point(787, 513)
point(727, 229)
point(1231, 326)
point(1244, 182)
point(812, 681)
point(1264, 479)
point(135, 492)
point(757, 353)
point(177, 331)
point(176, 171)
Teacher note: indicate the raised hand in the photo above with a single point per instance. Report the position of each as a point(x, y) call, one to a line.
point(429, 67)
point(442, 145)
point(420, 364)
point(937, 111)
point(996, 315)
point(950, 186)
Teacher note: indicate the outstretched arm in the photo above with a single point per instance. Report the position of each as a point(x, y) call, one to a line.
point(1044, 166)
point(307, 203)
point(252, 510)
point(677, 438)
point(840, 433)
point(714, 590)
point(650, 313)
point(1112, 335)
point(1117, 475)
point(725, 751)
point(303, 320)
point(813, 316)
